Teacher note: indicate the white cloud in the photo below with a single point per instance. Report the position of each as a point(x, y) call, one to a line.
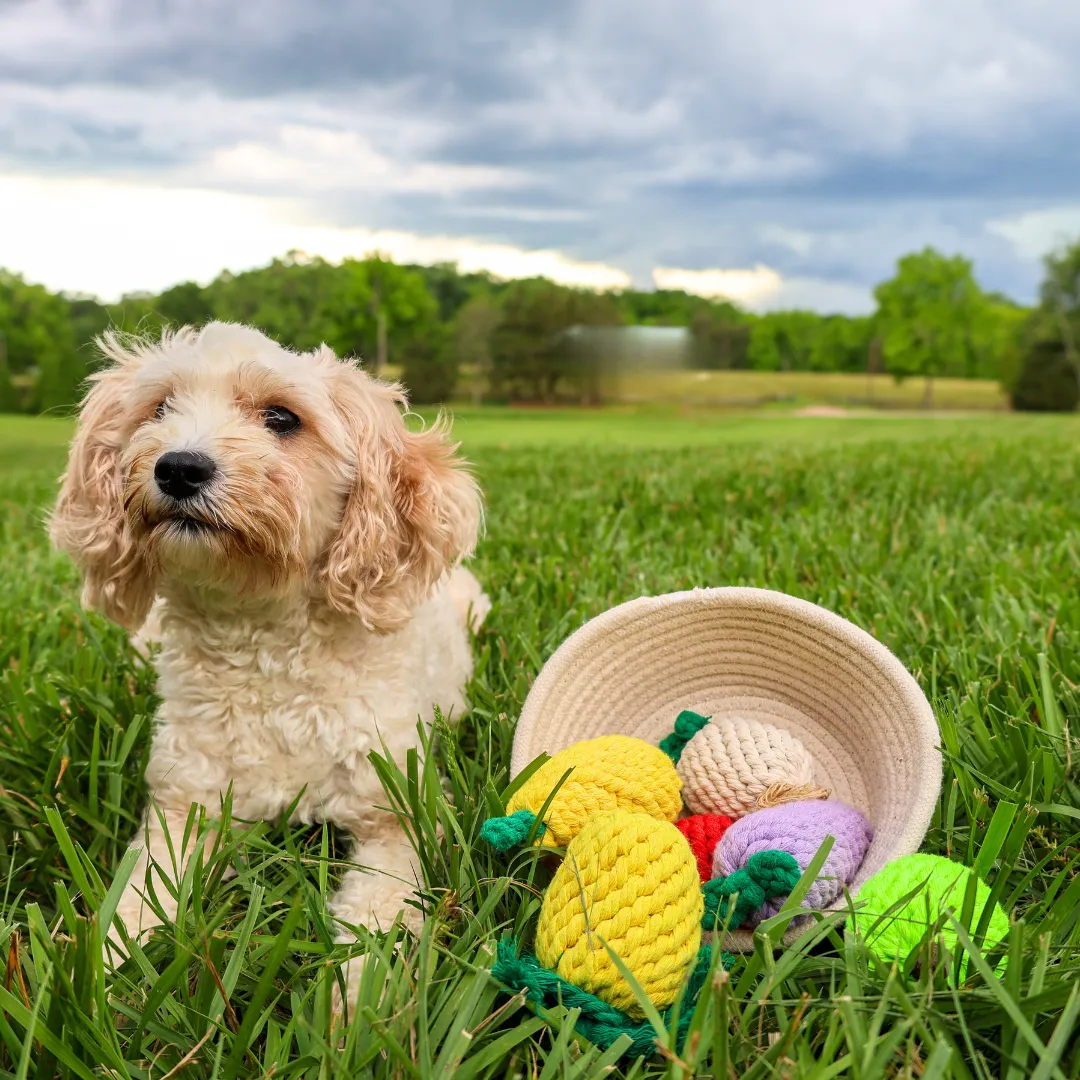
point(1035, 233)
point(763, 289)
point(108, 238)
point(318, 159)
point(750, 287)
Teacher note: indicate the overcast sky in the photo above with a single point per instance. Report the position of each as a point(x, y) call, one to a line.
point(781, 151)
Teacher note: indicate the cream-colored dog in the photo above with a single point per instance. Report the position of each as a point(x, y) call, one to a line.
point(269, 519)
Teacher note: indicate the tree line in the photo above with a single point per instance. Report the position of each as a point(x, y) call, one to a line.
point(525, 340)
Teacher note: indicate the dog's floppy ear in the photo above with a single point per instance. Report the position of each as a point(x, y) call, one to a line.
point(88, 521)
point(413, 510)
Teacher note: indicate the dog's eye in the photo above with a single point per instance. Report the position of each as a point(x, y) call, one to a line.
point(159, 411)
point(280, 420)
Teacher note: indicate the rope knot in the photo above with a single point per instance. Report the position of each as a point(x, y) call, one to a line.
point(503, 833)
point(687, 725)
point(767, 875)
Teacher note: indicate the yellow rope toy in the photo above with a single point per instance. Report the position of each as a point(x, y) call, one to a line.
point(630, 881)
point(612, 772)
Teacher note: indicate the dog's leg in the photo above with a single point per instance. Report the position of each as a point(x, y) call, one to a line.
point(375, 896)
point(471, 601)
point(161, 840)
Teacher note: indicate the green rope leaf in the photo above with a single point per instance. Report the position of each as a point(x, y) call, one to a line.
point(687, 725)
point(767, 875)
point(503, 833)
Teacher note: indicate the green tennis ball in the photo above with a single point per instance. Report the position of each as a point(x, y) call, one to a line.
point(941, 883)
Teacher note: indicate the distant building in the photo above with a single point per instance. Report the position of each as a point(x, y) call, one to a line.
point(635, 348)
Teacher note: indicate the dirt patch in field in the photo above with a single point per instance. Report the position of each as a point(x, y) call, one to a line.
point(821, 410)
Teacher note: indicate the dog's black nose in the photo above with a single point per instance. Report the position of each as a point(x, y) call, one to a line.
point(183, 473)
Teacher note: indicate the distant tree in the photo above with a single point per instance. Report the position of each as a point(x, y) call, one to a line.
point(840, 343)
point(927, 316)
point(1060, 296)
point(89, 318)
point(660, 307)
point(1001, 338)
point(9, 397)
point(451, 288)
point(719, 338)
point(429, 365)
point(60, 380)
point(137, 313)
point(186, 304)
point(378, 306)
point(1047, 381)
point(288, 300)
point(532, 348)
point(38, 342)
point(783, 340)
point(474, 327)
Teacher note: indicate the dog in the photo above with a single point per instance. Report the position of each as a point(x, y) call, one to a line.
point(268, 518)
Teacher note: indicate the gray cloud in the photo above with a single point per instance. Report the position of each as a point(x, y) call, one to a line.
point(689, 134)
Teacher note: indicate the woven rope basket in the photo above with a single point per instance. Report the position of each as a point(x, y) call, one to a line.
point(759, 654)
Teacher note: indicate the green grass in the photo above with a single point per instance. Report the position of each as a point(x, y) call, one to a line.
point(807, 387)
point(957, 543)
point(26, 442)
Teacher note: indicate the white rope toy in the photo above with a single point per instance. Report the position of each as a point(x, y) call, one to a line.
point(729, 764)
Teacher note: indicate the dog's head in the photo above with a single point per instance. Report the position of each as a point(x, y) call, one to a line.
point(217, 459)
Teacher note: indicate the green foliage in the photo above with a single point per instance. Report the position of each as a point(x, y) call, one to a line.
point(429, 366)
point(518, 339)
point(453, 289)
point(1060, 293)
point(89, 319)
point(1048, 379)
point(958, 550)
point(297, 301)
point(1001, 338)
point(474, 328)
point(37, 340)
point(663, 307)
point(927, 316)
point(720, 338)
point(532, 349)
point(186, 304)
point(806, 341)
point(9, 396)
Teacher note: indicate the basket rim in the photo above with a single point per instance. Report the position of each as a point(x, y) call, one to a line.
point(908, 691)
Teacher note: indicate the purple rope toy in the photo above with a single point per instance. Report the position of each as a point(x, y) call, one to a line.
point(799, 828)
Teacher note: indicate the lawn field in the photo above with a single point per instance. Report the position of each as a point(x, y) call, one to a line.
point(704, 388)
point(954, 540)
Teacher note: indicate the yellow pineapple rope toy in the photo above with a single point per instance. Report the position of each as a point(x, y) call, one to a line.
point(612, 772)
point(629, 884)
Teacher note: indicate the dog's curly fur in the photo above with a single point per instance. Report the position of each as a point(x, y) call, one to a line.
point(306, 600)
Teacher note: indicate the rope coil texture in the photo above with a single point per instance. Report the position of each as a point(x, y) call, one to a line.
point(630, 881)
point(503, 833)
point(936, 883)
point(767, 875)
point(703, 833)
point(728, 765)
point(799, 829)
point(612, 772)
point(599, 1022)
